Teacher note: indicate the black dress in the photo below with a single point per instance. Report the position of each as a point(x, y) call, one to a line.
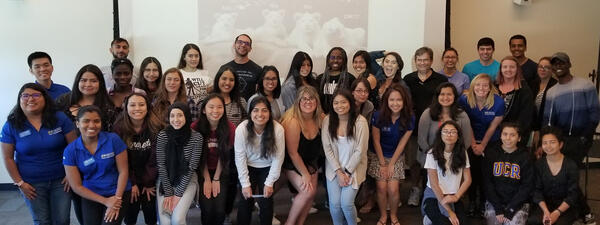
point(311, 152)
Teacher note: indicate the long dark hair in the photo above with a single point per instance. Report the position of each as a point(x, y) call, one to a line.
point(184, 51)
point(435, 109)
point(17, 117)
point(458, 159)
point(235, 94)
point(261, 87)
point(141, 82)
point(334, 119)
point(367, 58)
point(294, 72)
point(101, 99)
point(124, 127)
point(267, 141)
point(223, 130)
point(406, 113)
point(343, 73)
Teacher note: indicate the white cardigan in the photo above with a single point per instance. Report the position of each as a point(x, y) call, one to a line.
point(357, 165)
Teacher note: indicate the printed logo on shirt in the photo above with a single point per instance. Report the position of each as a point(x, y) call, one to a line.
point(489, 113)
point(212, 144)
point(329, 88)
point(141, 146)
point(107, 155)
point(25, 133)
point(55, 131)
point(89, 161)
point(507, 169)
point(386, 129)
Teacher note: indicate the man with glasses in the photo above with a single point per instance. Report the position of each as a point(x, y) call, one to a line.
point(40, 65)
point(422, 84)
point(572, 105)
point(246, 69)
point(518, 45)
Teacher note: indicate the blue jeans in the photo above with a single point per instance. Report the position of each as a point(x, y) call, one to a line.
point(341, 203)
point(52, 204)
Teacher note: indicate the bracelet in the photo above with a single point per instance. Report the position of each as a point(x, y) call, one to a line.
point(216, 179)
point(559, 211)
point(18, 184)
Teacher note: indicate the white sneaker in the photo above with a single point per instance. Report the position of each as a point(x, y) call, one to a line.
point(589, 219)
point(275, 221)
point(413, 198)
point(313, 210)
point(358, 219)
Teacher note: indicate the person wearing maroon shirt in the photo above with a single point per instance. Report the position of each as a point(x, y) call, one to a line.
point(213, 172)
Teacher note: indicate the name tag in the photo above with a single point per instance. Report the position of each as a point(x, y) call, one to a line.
point(88, 161)
point(107, 155)
point(489, 113)
point(55, 131)
point(25, 133)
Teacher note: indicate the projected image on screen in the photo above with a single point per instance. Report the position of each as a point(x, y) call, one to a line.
point(280, 28)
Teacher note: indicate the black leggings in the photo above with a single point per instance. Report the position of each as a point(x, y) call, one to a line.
point(245, 206)
point(93, 212)
point(147, 206)
point(213, 209)
point(432, 210)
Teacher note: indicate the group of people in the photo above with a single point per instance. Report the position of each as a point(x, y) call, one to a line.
point(123, 140)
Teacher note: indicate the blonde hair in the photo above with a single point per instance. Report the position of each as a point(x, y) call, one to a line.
point(489, 100)
point(294, 113)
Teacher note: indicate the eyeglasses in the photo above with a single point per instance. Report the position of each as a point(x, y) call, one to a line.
point(450, 132)
point(335, 57)
point(307, 99)
point(26, 96)
point(544, 68)
point(240, 42)
point(271, 79)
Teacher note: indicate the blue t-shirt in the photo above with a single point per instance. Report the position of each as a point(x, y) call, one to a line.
point(99, 171)
point(475, 67)
point(390, 134)
point(38, 154)
point(481, 119)
point(460, 80)
point(56, 90)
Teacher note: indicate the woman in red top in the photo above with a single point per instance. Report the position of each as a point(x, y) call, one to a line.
point(213, 173)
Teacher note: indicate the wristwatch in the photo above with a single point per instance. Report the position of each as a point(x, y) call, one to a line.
point(18, 184)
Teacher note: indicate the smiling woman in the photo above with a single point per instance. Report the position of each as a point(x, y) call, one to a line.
point(33, 139)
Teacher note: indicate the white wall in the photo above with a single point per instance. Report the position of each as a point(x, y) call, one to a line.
point(73, 32)
point(160, 30)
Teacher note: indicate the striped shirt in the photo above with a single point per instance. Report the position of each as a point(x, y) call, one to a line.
point(192, 152)
point(236, 113)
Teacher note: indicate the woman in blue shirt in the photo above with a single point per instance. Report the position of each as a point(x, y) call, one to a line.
point(97, 170)
point(38, 134)
point(485, 109)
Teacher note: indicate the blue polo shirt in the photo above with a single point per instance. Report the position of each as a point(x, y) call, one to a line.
point(38, 154)
point(56, 90)
point(481, 119)
point(475, 67)
point(390, 134)
point(99, 171)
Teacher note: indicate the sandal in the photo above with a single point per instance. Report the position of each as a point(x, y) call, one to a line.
point(379, 222)
point(395, 222)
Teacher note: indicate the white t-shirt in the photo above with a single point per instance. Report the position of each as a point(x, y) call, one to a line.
point(345, 146)
point(197, 84)
point(450, 183)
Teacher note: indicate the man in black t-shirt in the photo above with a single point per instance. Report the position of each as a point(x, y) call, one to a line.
point(518, 46)
point(247, 70)
point(422, 84)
